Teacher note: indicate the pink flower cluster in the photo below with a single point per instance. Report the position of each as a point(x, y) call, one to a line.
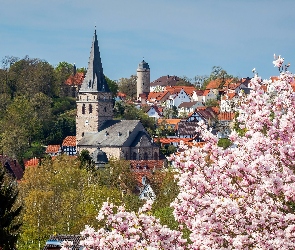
point(237, 198)
point(130, 230)
point(278, 62)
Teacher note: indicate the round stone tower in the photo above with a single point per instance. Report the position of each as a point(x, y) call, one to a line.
point(143, 78)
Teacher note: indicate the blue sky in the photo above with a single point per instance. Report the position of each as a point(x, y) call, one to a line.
point(183, 38)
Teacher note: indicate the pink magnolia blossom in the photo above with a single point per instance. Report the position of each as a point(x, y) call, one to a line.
point(234, 198)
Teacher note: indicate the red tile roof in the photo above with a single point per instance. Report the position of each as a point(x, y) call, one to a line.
point(215, 84)
point(76, 79)
point(176, 89)
point(225, 116)
point(229, 96)
point(172, 140)
point(32, 162)
point(199, 92)
point(215, 110)
point(206, 92)
point(69, 141)
point(120, 94)
point(145, 168)
point(52, 149)
point(170, 122)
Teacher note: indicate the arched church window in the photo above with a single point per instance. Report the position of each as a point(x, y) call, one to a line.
point(90, 108)
point(83, 109)
point(89, 84)
point(134, 156)
point(156, 157)
point(145, 156)
point(105, 109)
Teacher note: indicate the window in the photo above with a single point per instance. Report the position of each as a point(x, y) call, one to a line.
point(83, 109)
point(134, 156)
point(90, 108)
point(145, 156)
point(105, 109)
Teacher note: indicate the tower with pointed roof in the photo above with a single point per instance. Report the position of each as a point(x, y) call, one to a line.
point(143, 78)
point(94, 103)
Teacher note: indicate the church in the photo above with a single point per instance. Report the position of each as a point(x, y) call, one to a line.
point(97, 131)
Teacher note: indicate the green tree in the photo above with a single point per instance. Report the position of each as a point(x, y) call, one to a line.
point(133, 113)
point(113, 86)
point(128, 86)
point(170, 113)
point(29, 76)
point(217, 72)
point(166, 190)
point(9, 211)
point(19, 127)
point(61, 197)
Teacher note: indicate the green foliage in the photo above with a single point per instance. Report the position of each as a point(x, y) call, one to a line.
point(184, 81)
point(163, 129)
point(113, 86)
point(133, 113)
point(61, 197)
point(9, 211)
point(224, 142)
point(217, 73)
point(168, 149)
point(62, 104)
point(212, 103)
point(128, 86)
point(236, 126)
point(171, 113)
point(166, 190)
point(86, 160)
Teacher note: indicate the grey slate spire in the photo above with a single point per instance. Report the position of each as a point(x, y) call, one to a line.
point(94, 80)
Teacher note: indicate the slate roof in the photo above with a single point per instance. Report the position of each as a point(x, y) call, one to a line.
point(113, 133)
point(12, 167)
point(99, 157)
point(187, 104)
point(142, 140)
point(94, 80)
point(187, 128)
point(165, 81)
point(143, 65)
point(56, 240)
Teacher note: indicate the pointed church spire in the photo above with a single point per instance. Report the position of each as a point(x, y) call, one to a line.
point(94, 80)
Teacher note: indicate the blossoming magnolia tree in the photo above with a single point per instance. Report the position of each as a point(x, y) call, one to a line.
point(237, 198)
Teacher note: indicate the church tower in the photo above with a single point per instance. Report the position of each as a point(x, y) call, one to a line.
point(143, 78)
point(94, 103)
